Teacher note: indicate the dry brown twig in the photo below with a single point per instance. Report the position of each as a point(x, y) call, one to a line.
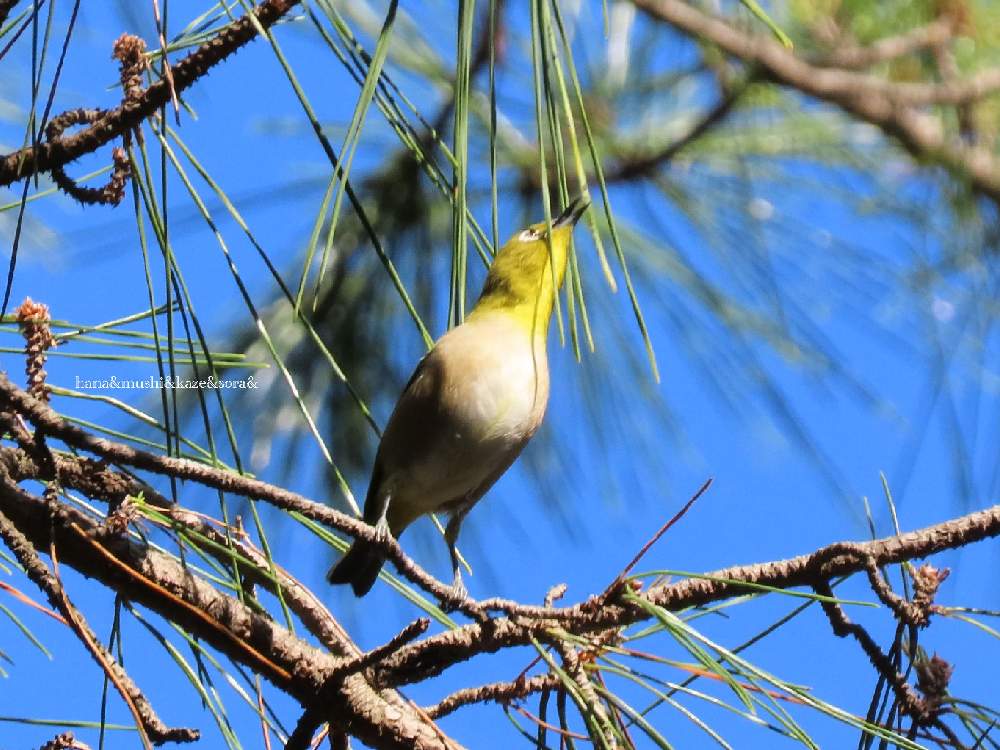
point(496, 692)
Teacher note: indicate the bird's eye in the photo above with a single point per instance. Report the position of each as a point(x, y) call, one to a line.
point(528, 235)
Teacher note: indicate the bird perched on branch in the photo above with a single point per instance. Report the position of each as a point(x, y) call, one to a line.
point(471, 405)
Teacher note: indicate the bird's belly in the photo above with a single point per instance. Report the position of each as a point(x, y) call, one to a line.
point(486, 423)
point(447, 477)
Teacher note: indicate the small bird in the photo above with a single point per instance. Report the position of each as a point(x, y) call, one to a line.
point(472, 403)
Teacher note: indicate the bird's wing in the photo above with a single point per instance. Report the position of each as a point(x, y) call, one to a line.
point(416, 372)
point(376, 501)
point(410, 412)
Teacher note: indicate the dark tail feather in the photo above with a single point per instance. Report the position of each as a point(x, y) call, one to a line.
point(359, 567)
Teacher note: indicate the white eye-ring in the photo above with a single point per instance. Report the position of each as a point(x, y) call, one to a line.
point(528, 235)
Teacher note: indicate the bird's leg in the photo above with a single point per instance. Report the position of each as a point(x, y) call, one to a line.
point(382, 531)
point(451, 537)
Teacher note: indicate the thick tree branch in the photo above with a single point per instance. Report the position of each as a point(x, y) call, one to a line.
point(433, 655)
point(50, 423)
point(155, 580)
point(436, 653)
point(98, 481)
point(355, 690)
point(828, 83)
point(153, 729)
point(893, 107)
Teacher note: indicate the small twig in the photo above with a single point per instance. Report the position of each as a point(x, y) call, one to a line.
point(554, 594)
point(615, 584)
point(495, 692)
point(843, 627)
point(558, 730)
point(113, 191)
point(350, 666)
point(926, 579)
point(301, 737)
point(851, 57)
point(65, 741)
point(27, 600)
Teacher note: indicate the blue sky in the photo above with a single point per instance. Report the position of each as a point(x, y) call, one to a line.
point(768, 500)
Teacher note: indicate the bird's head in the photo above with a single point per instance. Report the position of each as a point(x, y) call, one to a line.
point(529, 269)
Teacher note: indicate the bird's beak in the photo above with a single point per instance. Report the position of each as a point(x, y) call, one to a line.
point(572, 213)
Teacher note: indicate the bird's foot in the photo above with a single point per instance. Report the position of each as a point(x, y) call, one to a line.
point(382, 532)
point(456, 594)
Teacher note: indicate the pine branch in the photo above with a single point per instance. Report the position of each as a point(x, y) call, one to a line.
point(893, 107)
point(128, 115)
point(355, 690)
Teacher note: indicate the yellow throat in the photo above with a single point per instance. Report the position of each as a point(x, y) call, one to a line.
point(528, 272)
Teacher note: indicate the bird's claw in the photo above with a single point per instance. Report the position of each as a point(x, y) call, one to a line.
point(456, 594)
point(382, 532)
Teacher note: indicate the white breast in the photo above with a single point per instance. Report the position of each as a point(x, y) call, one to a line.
point(495, 386)
point(505, 396)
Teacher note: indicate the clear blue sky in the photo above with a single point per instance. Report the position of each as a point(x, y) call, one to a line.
point(768, 501)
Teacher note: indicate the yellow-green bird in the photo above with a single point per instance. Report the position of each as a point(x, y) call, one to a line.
point(471, 405)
